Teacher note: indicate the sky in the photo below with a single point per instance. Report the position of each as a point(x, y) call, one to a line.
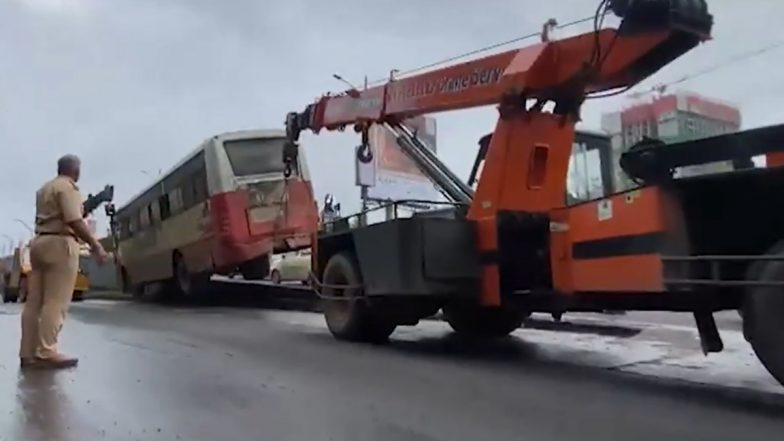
point(132, 86)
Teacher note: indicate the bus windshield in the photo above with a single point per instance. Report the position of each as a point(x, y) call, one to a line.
point(255, 156)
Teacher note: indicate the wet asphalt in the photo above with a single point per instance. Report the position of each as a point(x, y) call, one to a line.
point(219, 373)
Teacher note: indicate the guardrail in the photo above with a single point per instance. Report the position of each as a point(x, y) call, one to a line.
point(392, 211)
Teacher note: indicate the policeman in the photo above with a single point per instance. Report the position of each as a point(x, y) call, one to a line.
point(54, 257)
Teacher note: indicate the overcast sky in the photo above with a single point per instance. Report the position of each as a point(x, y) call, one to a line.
point(133, 85)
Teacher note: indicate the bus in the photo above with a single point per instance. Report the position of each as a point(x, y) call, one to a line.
point(224, 209)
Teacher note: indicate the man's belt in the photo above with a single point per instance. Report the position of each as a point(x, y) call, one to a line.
point(47, 233)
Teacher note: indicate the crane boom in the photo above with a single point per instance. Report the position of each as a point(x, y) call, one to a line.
point(652, 34)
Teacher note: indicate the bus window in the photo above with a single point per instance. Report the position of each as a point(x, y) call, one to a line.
point(194, 189)
point(163, 207)
point(199, 182)
point(255, 156)
point(175, 201)
point(133, 225)
point(125, 228)
point(144, 220)
point(155, 214)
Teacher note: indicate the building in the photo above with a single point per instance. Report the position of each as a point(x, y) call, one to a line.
point(671, 118)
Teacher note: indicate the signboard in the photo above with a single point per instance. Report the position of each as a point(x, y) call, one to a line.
point(395, 176)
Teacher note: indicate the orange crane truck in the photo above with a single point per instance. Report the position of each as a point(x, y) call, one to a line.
point(512, 246)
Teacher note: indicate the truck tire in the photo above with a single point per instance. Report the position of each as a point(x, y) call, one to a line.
point(763, 310)
point(352, 319)
point(482, 322)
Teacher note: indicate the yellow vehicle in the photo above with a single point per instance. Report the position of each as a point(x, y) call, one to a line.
point(16, 278)
point(81, 286)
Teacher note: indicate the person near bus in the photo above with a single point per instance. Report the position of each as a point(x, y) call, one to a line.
point(54, 256)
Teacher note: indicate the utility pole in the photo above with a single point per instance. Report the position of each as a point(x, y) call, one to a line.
point(24, 224)
point(27, 227)
point(10, 246)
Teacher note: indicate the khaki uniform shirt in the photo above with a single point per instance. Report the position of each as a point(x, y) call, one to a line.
point(57, 203)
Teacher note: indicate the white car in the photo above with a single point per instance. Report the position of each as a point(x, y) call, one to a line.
point(291, 267)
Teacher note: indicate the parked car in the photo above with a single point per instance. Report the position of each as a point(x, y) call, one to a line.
point(291, 267)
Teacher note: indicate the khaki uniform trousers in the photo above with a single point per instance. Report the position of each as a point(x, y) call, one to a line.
point(54, 261)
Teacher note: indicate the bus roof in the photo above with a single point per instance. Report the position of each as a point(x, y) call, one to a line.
point(226, 136)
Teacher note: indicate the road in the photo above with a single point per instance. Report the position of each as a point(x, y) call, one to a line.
point(219, 373)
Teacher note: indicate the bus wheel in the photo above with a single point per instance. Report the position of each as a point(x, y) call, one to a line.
point(10, 295)
point(348, 316)
point(256, 269)
point(137, 291)
point(6, 290)
point(188, 284)
point(476, 321)
point(22, 289)
point(762, 325)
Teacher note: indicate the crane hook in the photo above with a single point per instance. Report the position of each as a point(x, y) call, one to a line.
point(290, 153)
point(364, 152)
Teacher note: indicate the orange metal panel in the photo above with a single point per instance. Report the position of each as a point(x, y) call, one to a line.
point(525, 171)
point(526, 165)
point(628, 215)
point(642, 273)
point(634, 212)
